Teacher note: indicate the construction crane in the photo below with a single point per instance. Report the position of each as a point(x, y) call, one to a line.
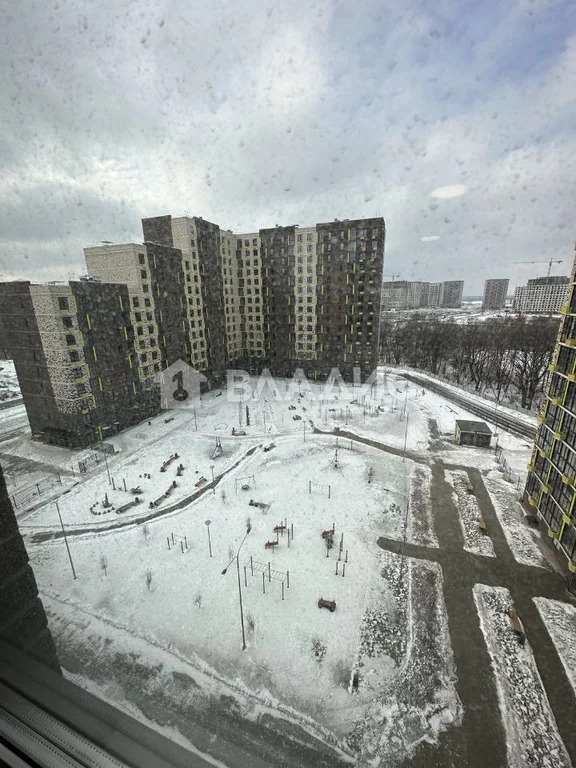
point(548, 261)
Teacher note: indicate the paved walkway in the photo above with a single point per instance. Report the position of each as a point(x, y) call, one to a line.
point(480, 741)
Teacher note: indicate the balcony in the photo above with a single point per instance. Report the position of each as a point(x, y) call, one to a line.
point(552, 533)
point(561, 436)
point(553, 367)
point(567, 520)
point(568, 479)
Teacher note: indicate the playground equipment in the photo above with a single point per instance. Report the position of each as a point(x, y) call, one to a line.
point(217, 449)
point(128, 506)
point(169, 461)
point(260, 504)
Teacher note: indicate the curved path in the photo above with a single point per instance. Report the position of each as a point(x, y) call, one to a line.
point(40, 537)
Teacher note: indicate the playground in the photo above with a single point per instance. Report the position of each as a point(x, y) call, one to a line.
point(233, 499)
point(296, 524)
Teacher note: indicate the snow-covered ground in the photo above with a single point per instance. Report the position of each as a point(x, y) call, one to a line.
point(532, 737)
point(192, 609)
point(384, 619)
point(560, 621)
point(518, 413)
point(9, 387)
point(475, 540)
point(522, 540)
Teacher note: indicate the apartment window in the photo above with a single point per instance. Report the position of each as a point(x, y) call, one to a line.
point(70, 339)
point(74, 356)
point(299, 238)
point(147, 303)
point(145, 288)
point(63, 303)
point(143, 273)
point(309, 236)
point(66, 320)
point(141, 258)
point(135, 301)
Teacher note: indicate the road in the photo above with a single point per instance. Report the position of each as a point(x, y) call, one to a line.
point(491, 413)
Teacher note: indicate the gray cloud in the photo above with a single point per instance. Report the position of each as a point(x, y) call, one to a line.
point(291, 112)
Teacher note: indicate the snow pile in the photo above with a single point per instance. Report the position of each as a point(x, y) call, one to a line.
point(412, 650)
point(532, 738)
point(560, 621)
point(421, 527)
point(469, 515)
point(521, 539)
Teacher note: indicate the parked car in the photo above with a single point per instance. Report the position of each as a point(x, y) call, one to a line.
point(330, 604)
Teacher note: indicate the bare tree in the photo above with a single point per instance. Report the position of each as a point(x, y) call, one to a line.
point(104, 564)
point(149, 579)
point(198, 599)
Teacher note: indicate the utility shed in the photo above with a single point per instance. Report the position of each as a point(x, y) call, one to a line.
point(472, 433)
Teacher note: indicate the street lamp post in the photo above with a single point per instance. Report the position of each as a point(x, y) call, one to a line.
point(213, 486)
point(237, 558)
point(405, 437)
point(66, 541)
point(207, 523)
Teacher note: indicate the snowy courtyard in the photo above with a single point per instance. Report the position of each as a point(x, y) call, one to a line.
point(312, 495)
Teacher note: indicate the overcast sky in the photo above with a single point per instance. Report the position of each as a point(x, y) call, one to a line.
point(453, 119)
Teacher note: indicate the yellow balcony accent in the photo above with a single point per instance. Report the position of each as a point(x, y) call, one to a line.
point(553, 367)
point(541, 418)
point(569, 343)
point(530, 467)
point(568, 479)
point(533, 501)
point(560, 436)
point(571, 377)
point(544, 453)
point(556, 400)
point(545, 489)
point(567, 520)
point(565, 310)
point(552, 533)
point(572, 566)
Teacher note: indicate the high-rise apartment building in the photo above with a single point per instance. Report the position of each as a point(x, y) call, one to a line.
point(542, 295)
point(551, 483)
point(74, 351)
point(404, 294)
point(452, 291)
point(88, 353)
point(495, 293)
point(435, 294)
point(411, 294)
point(281, 298)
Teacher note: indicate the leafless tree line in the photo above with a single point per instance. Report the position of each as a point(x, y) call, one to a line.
point(504, 357)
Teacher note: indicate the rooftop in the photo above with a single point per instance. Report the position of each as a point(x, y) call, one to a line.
point(464, 425)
